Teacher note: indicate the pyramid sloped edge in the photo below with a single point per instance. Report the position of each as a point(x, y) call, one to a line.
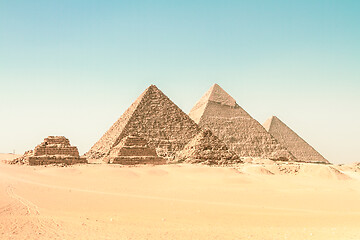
point(103, 146)
point(302, 150)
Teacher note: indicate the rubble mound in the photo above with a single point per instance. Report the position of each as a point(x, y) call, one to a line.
point(207, 148)
point(22, 159)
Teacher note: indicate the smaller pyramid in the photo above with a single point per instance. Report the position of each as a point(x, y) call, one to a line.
point(134, 150)
point(206, 148)
point(53, 150)
point(293, 142)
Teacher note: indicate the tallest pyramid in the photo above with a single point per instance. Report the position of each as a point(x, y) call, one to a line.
point(153, 117)
point(220, 113)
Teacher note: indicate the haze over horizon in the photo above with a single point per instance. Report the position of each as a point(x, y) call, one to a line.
point(73, 67)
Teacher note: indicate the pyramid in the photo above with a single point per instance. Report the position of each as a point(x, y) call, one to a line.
point(154, 117)
point(220, 113)
point(206, 148)
point(293, 142)
point(53, 150)
point(134, 150)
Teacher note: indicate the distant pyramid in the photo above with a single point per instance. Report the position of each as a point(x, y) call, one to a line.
point(154, 117)
point(219, 112)
point(207, 148)
point(295, 144)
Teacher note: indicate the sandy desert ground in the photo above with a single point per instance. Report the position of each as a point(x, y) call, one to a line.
point(251, 201)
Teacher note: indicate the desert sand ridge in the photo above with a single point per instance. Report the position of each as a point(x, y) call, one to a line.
point(154, 117)
point(292, 141)
point(220, 113)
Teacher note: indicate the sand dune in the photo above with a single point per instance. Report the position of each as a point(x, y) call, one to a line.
point(8, 156)
point(251, 201)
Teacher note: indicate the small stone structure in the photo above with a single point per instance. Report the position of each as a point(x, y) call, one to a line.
point(293, 142)
point(54, 150)
point(220, 113)
point(134, 150)
point(207, 148)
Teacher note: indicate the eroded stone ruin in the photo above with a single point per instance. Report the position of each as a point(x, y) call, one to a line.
point(207, 148)
point(293, 142)
point(134, 150)
point(53, 150)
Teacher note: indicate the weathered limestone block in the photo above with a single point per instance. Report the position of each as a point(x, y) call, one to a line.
point(133, 150)
point(58, 159)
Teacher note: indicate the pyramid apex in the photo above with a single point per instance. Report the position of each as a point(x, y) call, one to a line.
point(219, 95)
point(268, 122)
point(216, 95)
point(153, 86)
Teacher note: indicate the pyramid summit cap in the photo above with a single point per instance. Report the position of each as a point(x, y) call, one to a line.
point(218, 95)
point(269, 122)
point(153, 87)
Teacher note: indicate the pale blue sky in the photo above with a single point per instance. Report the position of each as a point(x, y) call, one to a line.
point(72, 67)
